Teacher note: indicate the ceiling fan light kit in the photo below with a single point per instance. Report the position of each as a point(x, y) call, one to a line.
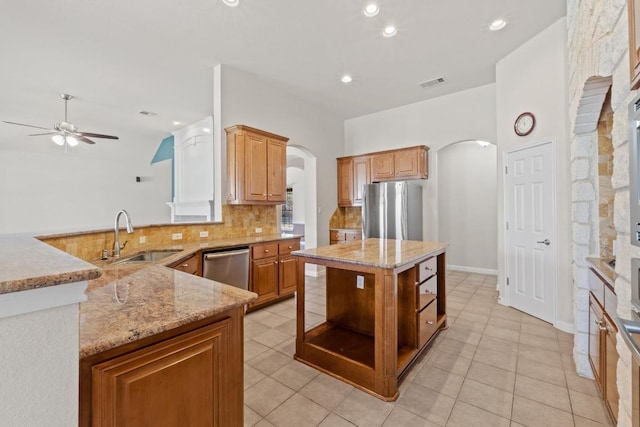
point(65, 133)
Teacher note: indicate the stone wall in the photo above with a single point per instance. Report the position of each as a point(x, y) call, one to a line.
point(598, 61)
point(606, 193)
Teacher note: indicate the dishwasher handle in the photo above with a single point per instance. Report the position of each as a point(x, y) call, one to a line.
point(223, 254)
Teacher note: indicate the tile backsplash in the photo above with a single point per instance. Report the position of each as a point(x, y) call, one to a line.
point(238, 221)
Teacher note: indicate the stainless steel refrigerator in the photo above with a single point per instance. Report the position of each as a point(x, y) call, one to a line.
point(392, 210)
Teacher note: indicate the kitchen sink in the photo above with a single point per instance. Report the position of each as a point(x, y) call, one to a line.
point(148, 256)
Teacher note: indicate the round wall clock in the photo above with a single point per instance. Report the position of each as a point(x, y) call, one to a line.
point(524, 124)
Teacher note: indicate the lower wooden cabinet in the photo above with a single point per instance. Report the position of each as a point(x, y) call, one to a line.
point(273, 271)
point(344, 235)
point(190, 265)
point(603, 356)
point(192, 379)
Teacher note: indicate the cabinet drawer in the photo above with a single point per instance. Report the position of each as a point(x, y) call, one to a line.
point(427, 292)
point(427, 269)
point(264, 251)
point(189, 265)
point(352, 235)
point(285, 248)
point(427, 323)
point(336, 235)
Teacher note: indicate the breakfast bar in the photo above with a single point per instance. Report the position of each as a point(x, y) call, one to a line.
point(385, 301)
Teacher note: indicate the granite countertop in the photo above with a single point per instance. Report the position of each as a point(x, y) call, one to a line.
point(27, 263)
point(137, 300)
point(604, 270)
point(382, 253)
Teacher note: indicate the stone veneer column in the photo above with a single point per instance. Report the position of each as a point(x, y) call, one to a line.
point(598, 57)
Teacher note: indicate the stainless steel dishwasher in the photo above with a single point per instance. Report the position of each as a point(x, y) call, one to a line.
point(229, 266)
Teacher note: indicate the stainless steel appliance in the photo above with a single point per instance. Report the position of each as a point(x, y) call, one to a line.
point(392, 210)
point(228, 266)
point(634, 170)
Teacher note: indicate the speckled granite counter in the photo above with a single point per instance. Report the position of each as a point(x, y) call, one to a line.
point(134, 301)
point(27, 263)
point(382, 253)
point(604, 270)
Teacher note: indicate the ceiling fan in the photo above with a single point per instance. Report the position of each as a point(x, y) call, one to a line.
point(65, 132)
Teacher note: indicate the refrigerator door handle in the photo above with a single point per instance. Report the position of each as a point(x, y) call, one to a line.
point(363, 211)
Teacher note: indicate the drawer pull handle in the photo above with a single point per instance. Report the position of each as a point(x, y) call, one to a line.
point(429, 322)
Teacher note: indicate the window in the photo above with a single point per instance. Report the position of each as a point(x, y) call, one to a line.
point(287, 212)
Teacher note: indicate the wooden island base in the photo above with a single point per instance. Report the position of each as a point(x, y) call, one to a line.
point(385, 301)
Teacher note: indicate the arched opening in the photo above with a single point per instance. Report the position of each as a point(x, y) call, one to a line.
point(467, 205)
point(301, 178)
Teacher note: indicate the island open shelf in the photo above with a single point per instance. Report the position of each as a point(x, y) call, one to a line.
point(385, 300)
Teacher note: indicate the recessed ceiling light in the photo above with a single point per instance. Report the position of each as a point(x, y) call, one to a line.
point(389, 31)
point(176, 123)
point(232, 3)
point(498, 24)
point(346, 79)
point(371, 10)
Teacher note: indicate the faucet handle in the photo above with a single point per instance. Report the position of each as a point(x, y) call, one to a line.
point(124, 244)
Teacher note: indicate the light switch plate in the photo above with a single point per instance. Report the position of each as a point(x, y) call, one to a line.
point(360, 282)
point(176, 236)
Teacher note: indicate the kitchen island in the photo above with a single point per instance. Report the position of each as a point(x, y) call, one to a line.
point(385, 302)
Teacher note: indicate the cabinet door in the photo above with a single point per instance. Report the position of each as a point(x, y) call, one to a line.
point(287, 275)
point(131, 390)
point(264, 279)
point(345, 182)
point(276, 171)
point(256, 167)
point(382, 167)
point(189, 265)
point(361, 177)
point(595, 339)
point(611, 364)
point(406, 163)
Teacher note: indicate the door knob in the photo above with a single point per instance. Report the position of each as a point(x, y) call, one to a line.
point(545, 241)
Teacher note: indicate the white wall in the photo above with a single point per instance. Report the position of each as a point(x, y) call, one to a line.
point(295, 180)
point(533, 78)
point(438, 122)
point(42, 189)
point(467, 205)
point(248, 100)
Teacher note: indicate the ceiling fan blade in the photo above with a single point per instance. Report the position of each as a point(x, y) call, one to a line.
point(83, 139)
point(41, 134)
point(96, 135)
point(29, 126)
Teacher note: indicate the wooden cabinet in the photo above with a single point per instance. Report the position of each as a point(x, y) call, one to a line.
point(344, 235)
point(406, 163)
point(603, 356)
point(191, 265)
point(256, 166)
point(353, 174)
point(191, 376)
point(273, 271)
point(633, 8)
point(356, 171)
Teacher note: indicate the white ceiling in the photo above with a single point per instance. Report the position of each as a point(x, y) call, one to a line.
point(122, 56)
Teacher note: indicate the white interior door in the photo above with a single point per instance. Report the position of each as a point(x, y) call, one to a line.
point(529, 198)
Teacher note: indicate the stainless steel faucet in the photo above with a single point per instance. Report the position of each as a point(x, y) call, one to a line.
point(116, 243)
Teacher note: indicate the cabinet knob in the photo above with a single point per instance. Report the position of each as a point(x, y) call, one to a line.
point(266, 251)
point(185, 265)
point(290, 247)
point(429, 322)
point(275, 262)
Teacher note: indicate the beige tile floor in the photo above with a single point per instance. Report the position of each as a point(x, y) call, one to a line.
point(494, 366)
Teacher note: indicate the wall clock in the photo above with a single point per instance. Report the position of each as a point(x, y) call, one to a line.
point(524, 124)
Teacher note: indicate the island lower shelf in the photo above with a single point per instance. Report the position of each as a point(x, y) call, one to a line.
point(379, 319)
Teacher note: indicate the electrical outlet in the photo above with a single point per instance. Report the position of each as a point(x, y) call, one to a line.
point(360, 282)
point(142, 239)
point(204, 234)
point(176, 236)
point(258, 229)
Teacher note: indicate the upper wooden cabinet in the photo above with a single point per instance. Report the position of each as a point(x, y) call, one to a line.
point(353, 174)
point(256, 166)
point(356, 171)
point(406, 163)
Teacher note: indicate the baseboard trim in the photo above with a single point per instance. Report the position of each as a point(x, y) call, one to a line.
point(569, 328)
point(462, 268)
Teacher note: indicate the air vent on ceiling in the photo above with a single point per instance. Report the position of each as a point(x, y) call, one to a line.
point(147, 113)
point(432, 82)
